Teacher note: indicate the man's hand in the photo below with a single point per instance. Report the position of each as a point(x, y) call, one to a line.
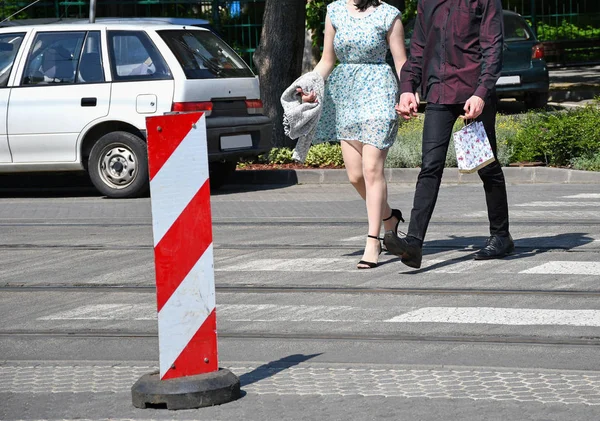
point(473, 108)
point(408, 105)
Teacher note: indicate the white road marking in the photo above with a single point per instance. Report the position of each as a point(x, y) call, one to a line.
point(558, 204)
point(229, 312)
point(288, 313)
point(354, 239)
point(347, 314)
point(543, 214)
point(330, 264)
point(565, 268)
point(107, 312)
point(584, 196)
point(500, 316)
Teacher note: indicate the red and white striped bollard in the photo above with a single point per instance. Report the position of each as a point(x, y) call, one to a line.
point(182, 227)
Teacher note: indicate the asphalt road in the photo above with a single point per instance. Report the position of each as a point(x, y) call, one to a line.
point(310, 336)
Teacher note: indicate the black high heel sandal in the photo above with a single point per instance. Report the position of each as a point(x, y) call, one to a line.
point(398, 215)
point(370, 265)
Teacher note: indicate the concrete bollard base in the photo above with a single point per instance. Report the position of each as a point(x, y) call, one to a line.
point(190, 392)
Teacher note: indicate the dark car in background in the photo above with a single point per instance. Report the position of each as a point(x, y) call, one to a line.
point(524, 72)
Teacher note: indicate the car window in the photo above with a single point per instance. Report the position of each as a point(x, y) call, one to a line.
point(90, 68)
point(9, 46)
point(516, 29)
point(203, 55)
point(135, 57)
point(53, 58)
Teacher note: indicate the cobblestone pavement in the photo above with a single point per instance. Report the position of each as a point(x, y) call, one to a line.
point(522, 386)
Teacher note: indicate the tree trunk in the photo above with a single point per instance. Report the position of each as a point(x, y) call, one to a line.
point(279, 57)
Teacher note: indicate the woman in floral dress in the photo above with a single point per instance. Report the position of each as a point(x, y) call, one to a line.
point(358, 106)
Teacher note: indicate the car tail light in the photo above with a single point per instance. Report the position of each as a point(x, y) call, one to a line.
point(183, 107)
point(254, 106)
point(537, 51)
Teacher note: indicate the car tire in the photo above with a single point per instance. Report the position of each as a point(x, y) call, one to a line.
point(118, 165)
point(536, 101)
point(220, 173)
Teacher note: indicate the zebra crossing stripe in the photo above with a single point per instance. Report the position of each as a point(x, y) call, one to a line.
point(500, 316)
point(275, 313)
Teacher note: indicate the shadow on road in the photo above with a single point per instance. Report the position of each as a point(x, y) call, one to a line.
point(71, 184)
point(78, 184)
point(525, 247)
point(274, 367)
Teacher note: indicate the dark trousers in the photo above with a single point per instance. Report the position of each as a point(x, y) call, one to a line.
point(437, 131)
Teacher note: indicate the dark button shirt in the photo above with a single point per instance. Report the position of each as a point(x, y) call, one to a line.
point(456, 50)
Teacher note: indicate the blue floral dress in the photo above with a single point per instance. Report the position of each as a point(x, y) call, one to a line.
point(362, 90)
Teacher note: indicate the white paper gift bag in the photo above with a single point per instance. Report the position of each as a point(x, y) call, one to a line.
point(473, 149)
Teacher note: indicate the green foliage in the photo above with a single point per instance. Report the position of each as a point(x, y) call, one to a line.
point(507, 128)
point(557, 138)
point(410, 10)
point(321, 155)
point(315, 17)
point(280, 156)
point(565, 31)
point(406, 150)
point(589, 162)
point(325, 155)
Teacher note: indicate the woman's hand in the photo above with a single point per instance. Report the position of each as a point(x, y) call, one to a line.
point(307, 96)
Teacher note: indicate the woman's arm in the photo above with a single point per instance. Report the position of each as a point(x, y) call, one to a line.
point(328, 59)
point(327, 62)
point(395, 39)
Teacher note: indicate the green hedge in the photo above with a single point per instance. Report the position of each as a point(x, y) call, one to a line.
point(558, 139)
point(565, 31)
point(564, 138)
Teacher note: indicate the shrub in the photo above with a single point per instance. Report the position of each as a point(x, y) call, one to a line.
point(325, 155)
point(565, 30)
point(321, 155)
point(507, 128)
point(406, 150)
point(557, 138)
point(587, 163)
point(280, 156)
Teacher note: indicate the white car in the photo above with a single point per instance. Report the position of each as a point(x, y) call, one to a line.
point(76, 97)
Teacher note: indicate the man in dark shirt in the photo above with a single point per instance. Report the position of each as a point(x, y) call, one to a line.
point(456, 58)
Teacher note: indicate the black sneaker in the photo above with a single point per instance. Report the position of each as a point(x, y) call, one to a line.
point(411, 254)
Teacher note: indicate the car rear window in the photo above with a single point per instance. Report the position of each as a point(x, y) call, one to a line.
point(203, 55)
point(134, 57)
point(516, 29)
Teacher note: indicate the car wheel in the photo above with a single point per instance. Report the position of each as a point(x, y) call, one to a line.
point(220, 172)
point(536, 101)
point(118, 165)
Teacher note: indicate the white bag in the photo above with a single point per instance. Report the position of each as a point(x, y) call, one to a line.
point(473, 149)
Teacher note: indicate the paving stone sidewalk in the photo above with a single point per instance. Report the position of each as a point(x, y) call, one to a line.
point(545, 386)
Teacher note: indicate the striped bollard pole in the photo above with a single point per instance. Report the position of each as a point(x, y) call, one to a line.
point(189, 375)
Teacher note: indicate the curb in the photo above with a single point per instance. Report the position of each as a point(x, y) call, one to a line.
point(513, 175)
